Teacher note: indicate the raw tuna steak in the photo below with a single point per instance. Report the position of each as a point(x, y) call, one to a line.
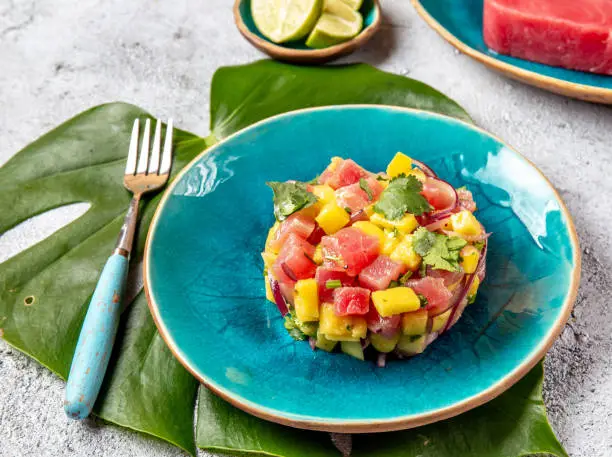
point(575, 34)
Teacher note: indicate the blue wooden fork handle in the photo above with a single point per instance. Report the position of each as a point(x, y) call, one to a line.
point(95, 343)
point(96, 340)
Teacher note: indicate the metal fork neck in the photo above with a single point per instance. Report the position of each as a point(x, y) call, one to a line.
point(125, 239)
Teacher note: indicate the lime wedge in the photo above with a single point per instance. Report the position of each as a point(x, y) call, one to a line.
point(354, 4)
point(285, 20)
point(338, 23)
point(340, 8)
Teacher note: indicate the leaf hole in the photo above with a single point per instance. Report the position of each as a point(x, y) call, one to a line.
point(37, 228)
point(29, 300)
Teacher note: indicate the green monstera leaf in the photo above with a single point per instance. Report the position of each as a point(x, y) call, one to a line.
point(243, 95)
point(44, 291)
point(145, 388)
point(512, 425)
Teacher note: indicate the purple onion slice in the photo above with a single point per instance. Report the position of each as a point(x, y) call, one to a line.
point(281, 304)
point(288, 271)
point(443, 213)
point(428, 171)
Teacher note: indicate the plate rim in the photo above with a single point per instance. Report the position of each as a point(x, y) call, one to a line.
point(367, 425)
point(549, 83)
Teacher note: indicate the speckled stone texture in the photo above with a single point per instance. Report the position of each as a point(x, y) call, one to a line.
point(59, 57)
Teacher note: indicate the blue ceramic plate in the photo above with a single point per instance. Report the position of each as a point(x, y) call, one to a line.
point(460, 23)
point(297, 51)
point(203, 273)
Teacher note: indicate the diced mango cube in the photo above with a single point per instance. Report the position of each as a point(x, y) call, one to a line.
point(439, 322)
point(418, 174)
point(474, 287)
point(370, 229)
point(269, 294)
point(406, 224)
point(311, 211)
point(414, 323)
point(405, 253)
point(400, 163)
point(395, 301)
point(465, 223)
point(318, 255)
point(332, 218)
point(392, 239)
point(469, 258)
point(307, 300)
point(324, 193)
point(269, 258)
point(341, 328)
point(369, 210)
point(270, 237)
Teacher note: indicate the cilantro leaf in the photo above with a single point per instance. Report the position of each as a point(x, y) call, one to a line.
point(366, 188)
point(290, 197)
point(439, 251)
point(423, 240)
point(402, 196)
point(455, 243)
point(439, 256)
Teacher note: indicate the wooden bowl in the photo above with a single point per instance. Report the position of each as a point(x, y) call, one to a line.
point(297, 52)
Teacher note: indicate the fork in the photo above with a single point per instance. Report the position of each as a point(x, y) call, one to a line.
point(143, 173)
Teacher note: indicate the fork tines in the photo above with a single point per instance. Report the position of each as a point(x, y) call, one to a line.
point(149, 162)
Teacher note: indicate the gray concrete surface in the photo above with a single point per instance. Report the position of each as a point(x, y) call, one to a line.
point(58, 57)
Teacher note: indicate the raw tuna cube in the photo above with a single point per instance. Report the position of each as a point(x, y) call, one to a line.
point(323, 275)
point(351, 300)
point(349, 250)
point(296, 223)
point(386, 326)
point(380, 273)
point(294, 260)
point(342, 173)
point(575, 34)
point(355, 198)
point(450, 278)
point(433, 289)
